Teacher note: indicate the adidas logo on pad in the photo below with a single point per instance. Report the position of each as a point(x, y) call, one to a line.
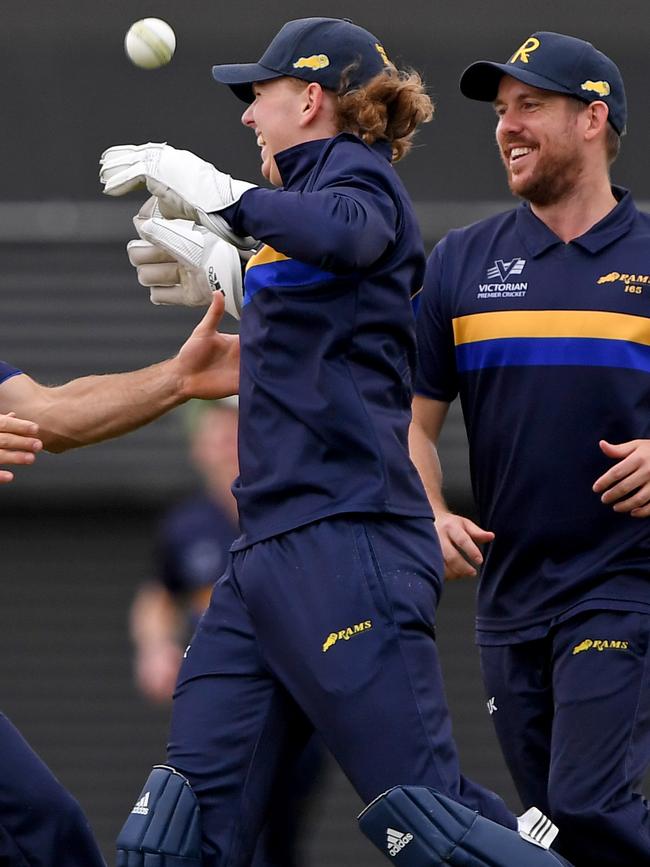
point(537, 828)
point(142, 805)
point(396, 841)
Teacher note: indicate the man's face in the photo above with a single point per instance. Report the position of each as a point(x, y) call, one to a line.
point(274, 117)
point(538, 137)
point(214, 446)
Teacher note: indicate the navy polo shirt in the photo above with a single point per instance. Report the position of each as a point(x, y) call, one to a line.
point(7, 371)
point(192, 545)
point(327, 341)
point(548, 345)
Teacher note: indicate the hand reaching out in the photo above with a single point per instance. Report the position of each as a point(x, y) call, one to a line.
point(19, 443)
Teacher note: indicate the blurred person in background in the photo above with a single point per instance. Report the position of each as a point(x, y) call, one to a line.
point(40, 822)
point(192, 546)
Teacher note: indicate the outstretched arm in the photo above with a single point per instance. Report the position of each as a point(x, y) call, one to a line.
point(459, 537)
point(96, 408)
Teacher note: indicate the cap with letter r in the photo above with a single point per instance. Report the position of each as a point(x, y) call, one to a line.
point(332, 51)
point(552, 61)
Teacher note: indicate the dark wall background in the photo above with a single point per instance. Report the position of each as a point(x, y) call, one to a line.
point(75, 531)
point(69, 92)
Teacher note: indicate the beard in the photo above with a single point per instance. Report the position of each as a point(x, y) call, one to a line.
point(555, 177)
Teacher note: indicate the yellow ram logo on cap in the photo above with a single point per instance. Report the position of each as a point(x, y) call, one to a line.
point(381, 51)
point(314, 61)
point(602, 88)
point(524, 51)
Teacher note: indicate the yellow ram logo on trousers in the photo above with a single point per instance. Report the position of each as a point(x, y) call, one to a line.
point(600, 644)
point(346, 634)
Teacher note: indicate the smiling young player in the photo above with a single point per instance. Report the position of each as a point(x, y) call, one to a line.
point(325, 615)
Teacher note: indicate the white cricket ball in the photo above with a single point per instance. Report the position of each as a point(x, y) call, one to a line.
point(150, 43)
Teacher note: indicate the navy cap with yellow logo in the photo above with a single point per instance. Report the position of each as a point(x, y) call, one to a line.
point(552, 61)
point(332, 51)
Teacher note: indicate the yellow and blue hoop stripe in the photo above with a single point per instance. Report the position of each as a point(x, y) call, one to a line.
point(590, 338)
point(268, 268)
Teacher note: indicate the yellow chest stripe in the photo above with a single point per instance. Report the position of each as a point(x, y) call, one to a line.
point(551, 323)
point(265, 256)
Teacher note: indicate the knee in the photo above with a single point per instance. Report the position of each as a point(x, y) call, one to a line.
point(53, 821)
point(55, 805)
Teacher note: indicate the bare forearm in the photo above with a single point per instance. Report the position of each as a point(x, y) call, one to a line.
point(155, 619)
point(424, 455)
point(96, 408)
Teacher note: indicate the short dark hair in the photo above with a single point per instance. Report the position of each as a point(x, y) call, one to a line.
point(612, 144)
point(612, 138)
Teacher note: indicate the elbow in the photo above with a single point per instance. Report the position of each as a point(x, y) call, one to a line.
point(344, 250)
point(57, 447)
point(56, 443)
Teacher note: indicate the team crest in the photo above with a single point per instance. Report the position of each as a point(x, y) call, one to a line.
point(600, 645)
point(502, 270)
point(314, 61)
point(382, 53)
point(633, 284)
point(346, 634)
point(502, 280)
point(524, 51)
point(602, 88)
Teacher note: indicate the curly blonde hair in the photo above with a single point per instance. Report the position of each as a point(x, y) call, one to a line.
point(390, 107)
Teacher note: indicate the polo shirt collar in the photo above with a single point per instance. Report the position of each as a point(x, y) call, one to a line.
point(538, 238)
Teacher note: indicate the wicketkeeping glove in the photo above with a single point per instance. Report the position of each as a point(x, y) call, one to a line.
point(184, 264)
point(185, 185)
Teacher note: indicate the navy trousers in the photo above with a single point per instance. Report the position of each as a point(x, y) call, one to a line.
point(572, 714)
point(41, 824)
point(328, 627)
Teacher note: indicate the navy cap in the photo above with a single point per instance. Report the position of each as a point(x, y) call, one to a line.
point(554, 62)
point(313, 49)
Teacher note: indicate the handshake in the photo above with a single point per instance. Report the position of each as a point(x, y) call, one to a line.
point(185, 250)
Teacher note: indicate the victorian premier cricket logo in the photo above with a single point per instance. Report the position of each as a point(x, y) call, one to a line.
point(501, 285)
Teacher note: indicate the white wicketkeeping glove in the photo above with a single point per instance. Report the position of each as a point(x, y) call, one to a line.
point(184, 264)
point(184, 184)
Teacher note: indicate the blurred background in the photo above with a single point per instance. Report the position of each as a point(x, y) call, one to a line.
point(76, 531)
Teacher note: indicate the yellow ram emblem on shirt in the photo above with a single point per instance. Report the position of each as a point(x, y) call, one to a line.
point(602, 88)
point(314, 61)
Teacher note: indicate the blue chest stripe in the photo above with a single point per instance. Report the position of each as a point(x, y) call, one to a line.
point(287, 272)
point(547, 351)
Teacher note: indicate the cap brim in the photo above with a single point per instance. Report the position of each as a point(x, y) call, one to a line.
point(481, 80)
point(240, 77)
